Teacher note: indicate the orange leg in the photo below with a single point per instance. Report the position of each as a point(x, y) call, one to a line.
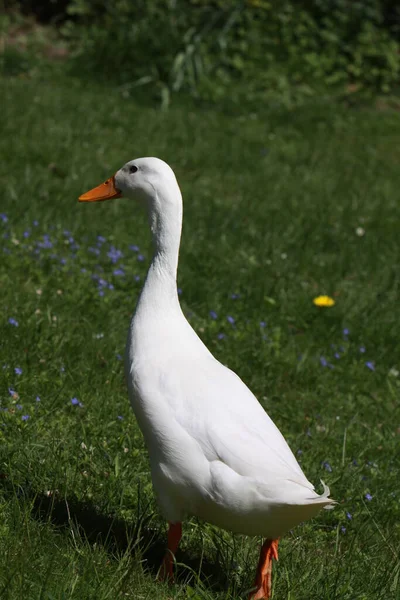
point(263, 585)
point(174, 537)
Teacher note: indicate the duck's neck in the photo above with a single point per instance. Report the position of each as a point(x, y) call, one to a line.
point(159, 292)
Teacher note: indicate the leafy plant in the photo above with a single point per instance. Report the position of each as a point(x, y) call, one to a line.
point(255, 49)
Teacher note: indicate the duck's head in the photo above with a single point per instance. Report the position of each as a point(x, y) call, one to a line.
point(142, 179)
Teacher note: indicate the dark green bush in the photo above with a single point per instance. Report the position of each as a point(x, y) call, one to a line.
point(259, 49)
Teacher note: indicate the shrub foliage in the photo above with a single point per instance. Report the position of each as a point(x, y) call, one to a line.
point(253, 47)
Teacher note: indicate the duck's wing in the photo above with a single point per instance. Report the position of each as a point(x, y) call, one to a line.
point(230, 425)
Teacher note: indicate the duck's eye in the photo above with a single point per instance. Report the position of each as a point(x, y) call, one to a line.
point(133, 169)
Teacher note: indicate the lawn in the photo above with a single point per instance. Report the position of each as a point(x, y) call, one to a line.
point(280, 207)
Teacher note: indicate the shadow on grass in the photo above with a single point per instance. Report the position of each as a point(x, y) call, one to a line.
point(117, 536)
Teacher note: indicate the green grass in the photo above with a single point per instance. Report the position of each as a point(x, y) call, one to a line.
point(272, 204)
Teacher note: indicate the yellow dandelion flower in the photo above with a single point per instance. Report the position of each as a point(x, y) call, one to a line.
point(323, 301)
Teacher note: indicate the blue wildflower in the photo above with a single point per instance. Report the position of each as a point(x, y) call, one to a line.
point(213, 314)
point(119, 357)
point(349, 516)
point(179, 291)
point(368, 497)
point(221, 336)
point(337, 355)
point(114, 254)
point(137, 278)
point(13, 321)
point(94, 250)
point(18, 406)
point(140, 257)
point(25, 417)
point(346, 332)
point(26, 234)
point(235, 296)
point(134, 248)
point(119, 272)
point(18, 371)
point(76, 402)
point(327, 466)
point(12, 392)
point(370, 364)
point(37, 398)
point(343, 529)
point(362, 349)
point(120, 417)
point(46, 242)
point(323, 361)
point(263, 324)
point(3, 217)
point(230, 320)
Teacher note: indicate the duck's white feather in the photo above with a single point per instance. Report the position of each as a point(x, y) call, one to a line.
point(214, 451)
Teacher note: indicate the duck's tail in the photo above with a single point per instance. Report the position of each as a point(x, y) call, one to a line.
point(323, 499)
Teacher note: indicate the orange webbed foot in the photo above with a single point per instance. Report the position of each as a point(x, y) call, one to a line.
point(166, 572)
point(263, 583)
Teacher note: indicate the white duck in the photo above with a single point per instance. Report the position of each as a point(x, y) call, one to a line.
point(214, 451)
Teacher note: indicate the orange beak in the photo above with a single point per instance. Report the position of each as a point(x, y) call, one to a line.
point(104, 191)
